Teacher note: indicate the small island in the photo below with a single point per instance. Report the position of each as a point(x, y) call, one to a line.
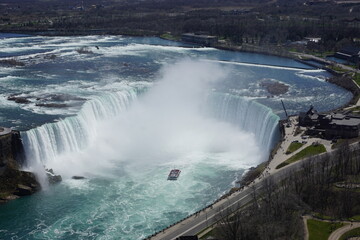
point(274, 87)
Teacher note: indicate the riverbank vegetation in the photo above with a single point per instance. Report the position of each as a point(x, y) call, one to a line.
point(252, 174)
point(326, 184)
point(354, 233)
point(320, 230)
point(254, 23)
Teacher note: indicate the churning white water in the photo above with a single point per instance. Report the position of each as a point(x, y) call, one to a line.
point(136, 135)
point(133, 110)
point(166, 124)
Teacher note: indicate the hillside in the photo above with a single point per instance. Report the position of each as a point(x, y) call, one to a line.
point(260, 22)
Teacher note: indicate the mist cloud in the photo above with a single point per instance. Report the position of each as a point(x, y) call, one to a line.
point(166, 125)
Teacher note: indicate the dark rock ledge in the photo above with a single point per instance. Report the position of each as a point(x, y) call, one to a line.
point(14, 183)
point(274, 88)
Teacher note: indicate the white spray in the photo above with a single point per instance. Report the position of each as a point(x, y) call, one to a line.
point(166, 124)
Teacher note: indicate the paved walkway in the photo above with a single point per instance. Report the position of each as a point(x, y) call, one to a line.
point(340, 231)
point(304, 55)
point(337, 233)
point(306, 230)
point(281, 156)
point(350, 69)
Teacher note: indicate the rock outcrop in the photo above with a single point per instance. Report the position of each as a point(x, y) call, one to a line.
point(21, 100)
point(52, 177)
point(275, 88)
point(78, 177)
point(14, 182)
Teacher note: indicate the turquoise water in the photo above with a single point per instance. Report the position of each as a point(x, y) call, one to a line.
point(97, 209)
point(134, 108)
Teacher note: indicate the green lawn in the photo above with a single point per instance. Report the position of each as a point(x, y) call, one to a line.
point(352, 233)
point(357, 78)
point(293, 147)
point(324, 217)
point(170, 37)
point(208, 234)
point(319, 230)
point(306, 152)
point(337, 68)
point(340, 142)
point(355, 218)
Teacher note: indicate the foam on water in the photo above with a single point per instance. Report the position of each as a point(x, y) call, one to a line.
point(140, 120)
point(261, 65)
point(138, 49)
point(318, 78)
point(128, 145)
point(160, 128)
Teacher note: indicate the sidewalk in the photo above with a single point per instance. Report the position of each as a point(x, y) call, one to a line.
point(339, 232)
point(281, 156)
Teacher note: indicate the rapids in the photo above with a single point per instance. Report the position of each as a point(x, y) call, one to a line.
point(132, 109)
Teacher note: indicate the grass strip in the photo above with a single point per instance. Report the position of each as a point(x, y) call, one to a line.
point(320, 230)
point(357, 78)
point(352, 233)
point(293, 147)
point(306, 152)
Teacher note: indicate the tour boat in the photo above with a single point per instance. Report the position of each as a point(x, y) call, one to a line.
point(174, 174)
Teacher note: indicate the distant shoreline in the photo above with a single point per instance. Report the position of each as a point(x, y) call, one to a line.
point(271, 51)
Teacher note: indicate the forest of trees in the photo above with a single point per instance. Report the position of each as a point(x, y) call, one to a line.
point(260, 22)
point(324, 185)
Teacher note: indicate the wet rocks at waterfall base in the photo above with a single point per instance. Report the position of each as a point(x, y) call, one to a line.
point(78, 177)
point(16, 183)
point(52, 177)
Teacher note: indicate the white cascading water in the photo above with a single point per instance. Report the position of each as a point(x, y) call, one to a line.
point(248, 115)
point(45, 144)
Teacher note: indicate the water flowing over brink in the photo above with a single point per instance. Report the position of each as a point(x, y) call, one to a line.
point(247, 115)
point(72, 134)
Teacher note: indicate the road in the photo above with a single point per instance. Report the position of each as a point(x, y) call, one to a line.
point(197, 222)
point(304, 55)
point(339, 232)
point(207, 217)
point(210, 215)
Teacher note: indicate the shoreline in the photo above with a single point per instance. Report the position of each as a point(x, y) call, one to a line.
point(235, 48)
point(281, 140)
point(246, 48)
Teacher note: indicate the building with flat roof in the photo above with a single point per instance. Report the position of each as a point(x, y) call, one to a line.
point(204, 40)
point(333, 125)
point(349, 53)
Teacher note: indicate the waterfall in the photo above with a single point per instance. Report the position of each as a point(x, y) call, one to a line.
point(72, 134)
point(248, 115)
